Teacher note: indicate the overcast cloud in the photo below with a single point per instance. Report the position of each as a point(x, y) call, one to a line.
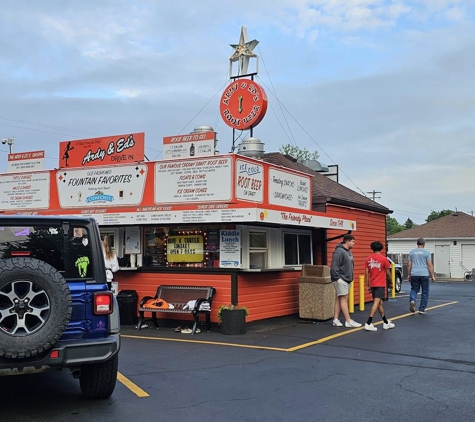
point(382, 88)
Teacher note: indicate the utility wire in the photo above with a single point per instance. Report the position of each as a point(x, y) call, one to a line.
point(316, 143)
point(291, 138)
point(194, 117)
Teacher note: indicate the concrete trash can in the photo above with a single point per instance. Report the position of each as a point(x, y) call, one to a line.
point(316, 293)
point(127, 300)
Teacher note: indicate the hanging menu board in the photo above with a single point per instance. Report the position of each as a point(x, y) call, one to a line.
point(24, 191)
point(199, 180)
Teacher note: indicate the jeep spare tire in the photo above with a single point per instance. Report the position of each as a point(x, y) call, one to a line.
point(35, 307)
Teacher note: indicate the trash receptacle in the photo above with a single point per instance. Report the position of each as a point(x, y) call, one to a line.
point(316, 293)
point(127, 300)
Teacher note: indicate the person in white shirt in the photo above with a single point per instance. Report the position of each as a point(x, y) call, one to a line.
point(111, 261)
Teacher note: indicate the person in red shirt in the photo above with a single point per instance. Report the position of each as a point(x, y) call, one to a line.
point(376, 270)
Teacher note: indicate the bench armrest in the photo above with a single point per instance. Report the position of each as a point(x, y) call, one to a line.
point(199, 302)
point(144, 300)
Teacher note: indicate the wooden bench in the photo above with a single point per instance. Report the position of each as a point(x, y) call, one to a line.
point(179, 297)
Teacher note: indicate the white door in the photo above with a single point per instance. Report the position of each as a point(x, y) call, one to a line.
point(442, 260)
point(468, 256)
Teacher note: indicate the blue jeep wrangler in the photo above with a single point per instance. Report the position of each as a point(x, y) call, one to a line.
point(56, 310)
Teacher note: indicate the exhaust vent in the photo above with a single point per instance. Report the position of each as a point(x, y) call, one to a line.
point(251, 147)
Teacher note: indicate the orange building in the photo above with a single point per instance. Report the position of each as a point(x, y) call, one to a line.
point(241, 224)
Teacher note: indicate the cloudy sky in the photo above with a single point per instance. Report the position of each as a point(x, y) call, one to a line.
point(385, 89)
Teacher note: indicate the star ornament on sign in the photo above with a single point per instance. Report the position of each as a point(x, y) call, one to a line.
point(243, 51)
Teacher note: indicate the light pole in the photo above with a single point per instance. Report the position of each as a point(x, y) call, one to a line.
point(9, 141)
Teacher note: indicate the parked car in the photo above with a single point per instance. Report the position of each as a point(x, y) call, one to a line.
point(398, 270)
point(56, 310)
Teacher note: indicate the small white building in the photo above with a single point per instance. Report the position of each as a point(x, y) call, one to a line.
point(450, 239)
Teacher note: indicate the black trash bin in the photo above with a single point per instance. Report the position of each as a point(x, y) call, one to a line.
point(127, 300)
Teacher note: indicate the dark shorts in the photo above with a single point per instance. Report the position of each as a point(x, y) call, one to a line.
point(378, 292)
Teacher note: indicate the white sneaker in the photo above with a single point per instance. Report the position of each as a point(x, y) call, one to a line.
point(388, 325)
point(370, 327)
point(352, 324)
point(337, 323)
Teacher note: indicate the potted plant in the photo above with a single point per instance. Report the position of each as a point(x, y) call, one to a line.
point(232, 319)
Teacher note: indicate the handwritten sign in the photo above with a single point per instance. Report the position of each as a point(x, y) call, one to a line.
point(289, 189)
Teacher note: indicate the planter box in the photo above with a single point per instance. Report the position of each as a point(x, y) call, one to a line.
point(233, 322)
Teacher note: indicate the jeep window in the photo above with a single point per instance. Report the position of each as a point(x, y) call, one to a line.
point(70, 255)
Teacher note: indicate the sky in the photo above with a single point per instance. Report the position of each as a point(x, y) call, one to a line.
point(383, 89)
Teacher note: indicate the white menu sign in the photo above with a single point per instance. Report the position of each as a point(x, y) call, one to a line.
point(24, 191)
point(192, 145)
point(99, 187)
point(26, 161)
point(230, 248)
point(289, 190)
point(197, 180)
point(249, 181)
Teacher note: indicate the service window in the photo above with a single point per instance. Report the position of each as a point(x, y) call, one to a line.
point(297, 249)
point(258, 247)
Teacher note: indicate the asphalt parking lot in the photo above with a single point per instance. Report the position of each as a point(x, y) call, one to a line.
point(285, 369)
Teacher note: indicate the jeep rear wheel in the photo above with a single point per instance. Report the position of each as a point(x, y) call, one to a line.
point(97, 381)
point(35, 307)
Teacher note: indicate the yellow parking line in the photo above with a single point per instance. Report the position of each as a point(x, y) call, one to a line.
point(215, 343)
point(344, 333)
point(131, 386)
point(280, 349)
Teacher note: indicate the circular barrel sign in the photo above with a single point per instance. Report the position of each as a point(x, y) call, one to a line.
point(243, 104)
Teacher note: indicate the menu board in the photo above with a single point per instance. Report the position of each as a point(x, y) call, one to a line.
point(199, 180)
point(100, 186)
point(249, 181)
point(26, 161)
point(192, 145)
point(24, 191)
point(289, 189)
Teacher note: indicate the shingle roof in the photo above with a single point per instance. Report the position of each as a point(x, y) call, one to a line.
point(454, 225)
point(325, 190)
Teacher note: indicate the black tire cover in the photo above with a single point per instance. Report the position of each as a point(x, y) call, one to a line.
point(35, 307)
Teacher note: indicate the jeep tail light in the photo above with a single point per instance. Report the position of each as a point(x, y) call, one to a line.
point(103, 303)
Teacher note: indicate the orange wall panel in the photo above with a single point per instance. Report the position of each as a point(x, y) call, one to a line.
point(370, 226)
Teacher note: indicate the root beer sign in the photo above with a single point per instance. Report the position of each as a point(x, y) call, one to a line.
point(119, 149)
point(243, 104)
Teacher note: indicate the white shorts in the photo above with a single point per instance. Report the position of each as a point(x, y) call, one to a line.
point(342, 288)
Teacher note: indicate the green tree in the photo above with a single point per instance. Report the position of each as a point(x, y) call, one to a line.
point(392, 226)
point(434, 215)
point(409, 224)
point(298, 153)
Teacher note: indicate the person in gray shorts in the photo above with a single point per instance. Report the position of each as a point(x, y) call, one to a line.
point(341, 272)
